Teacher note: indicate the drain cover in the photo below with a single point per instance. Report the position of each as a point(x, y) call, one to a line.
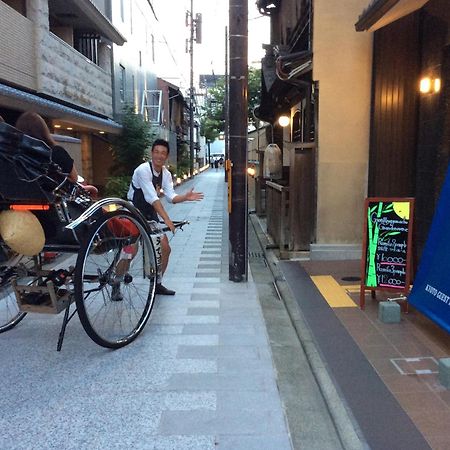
point(351, 278)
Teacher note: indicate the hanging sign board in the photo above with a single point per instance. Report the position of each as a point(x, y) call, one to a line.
point(387, 242)
point(431, 290)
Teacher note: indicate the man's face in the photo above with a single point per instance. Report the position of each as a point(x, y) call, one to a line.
point(159, 155)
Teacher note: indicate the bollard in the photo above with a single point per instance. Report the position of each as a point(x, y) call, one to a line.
point(389, 312)
point(444, 372)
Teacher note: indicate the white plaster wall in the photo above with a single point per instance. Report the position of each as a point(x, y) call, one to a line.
point(342, 66)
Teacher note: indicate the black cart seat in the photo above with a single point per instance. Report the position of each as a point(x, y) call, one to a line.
point(24, 167)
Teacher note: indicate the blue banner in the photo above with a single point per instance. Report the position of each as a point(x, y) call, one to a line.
point(431, 289)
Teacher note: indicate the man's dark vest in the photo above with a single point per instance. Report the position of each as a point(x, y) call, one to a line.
point(139, 200)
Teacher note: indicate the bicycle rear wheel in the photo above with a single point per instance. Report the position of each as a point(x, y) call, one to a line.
point(115, 279)
point(10, 314)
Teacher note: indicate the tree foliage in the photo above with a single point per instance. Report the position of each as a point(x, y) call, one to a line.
point(131, 146)
point(212, 121)
point(129, 149)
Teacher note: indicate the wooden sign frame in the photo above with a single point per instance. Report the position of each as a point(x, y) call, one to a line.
point(406, 288)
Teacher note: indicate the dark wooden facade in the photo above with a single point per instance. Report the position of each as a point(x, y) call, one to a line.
point(394, 109)
point(409, 147)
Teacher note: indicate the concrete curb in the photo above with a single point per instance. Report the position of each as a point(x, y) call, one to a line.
point(346, 425)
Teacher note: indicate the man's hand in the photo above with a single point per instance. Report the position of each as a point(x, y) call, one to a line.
point(192, 196)
point(170, 225)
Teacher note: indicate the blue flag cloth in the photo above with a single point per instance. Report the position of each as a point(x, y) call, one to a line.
point(431, 290)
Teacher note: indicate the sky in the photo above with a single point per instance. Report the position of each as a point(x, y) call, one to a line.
point(209, 56)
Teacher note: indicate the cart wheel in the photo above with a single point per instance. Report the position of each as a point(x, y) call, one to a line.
point(10, 315)
point(115, 278)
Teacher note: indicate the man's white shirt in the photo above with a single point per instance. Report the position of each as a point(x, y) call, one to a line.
point(143, 179)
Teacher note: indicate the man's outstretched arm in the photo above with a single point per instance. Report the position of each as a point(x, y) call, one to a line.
point(189, 196)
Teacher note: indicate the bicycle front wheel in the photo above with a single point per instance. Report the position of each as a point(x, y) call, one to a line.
point(115, 279)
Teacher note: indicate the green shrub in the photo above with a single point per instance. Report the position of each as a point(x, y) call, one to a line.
point(131, 146)
point(117, 186)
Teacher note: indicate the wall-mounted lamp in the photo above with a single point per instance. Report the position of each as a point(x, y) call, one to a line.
point(437, 84)
point(283, 121)
point(430, 85)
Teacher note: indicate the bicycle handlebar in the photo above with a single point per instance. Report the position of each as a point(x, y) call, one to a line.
point(177, 224)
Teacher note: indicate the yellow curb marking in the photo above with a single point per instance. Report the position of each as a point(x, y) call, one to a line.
point(352, 288)
point(333, 293)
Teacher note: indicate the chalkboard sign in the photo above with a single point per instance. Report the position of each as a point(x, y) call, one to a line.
point(386, 262)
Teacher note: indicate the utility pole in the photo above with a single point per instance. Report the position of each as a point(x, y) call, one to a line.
point(226, 106)
point(237, 164)
point(191, 92)
point(195, 34)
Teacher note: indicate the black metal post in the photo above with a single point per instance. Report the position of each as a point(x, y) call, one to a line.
point(191, 92)
point(226, 101)
point(237, 119)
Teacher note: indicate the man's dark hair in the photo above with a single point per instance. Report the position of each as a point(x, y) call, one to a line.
point(162, 142)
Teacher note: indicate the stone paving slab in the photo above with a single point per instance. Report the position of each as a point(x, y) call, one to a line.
point(199, 377)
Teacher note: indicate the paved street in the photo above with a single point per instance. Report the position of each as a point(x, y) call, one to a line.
point(200, 376)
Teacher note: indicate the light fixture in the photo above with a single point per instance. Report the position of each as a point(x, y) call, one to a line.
point(437, 85)
point(69, 128)
point(283, 121)
point(251, 171)
point(57, 126)
point(425, 85)
point(101, 132)
point(429, 85)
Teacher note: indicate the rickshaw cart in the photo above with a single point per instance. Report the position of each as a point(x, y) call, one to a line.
point(107, 264)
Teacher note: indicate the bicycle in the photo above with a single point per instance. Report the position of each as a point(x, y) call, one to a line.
point(93, 236)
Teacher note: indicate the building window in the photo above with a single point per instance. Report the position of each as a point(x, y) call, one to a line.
point(131, 17)
point(297, 134)
point(133, 82)
point(122, 83)
point(122, 10)
point(18, 5)
point(153, 48)
point(87, 44)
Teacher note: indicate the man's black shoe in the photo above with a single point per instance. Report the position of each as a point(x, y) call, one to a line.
point(162, 290)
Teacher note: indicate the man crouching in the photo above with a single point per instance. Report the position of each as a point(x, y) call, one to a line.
point(149, 181)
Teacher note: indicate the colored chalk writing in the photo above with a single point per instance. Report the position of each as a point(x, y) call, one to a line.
point(387, 243)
